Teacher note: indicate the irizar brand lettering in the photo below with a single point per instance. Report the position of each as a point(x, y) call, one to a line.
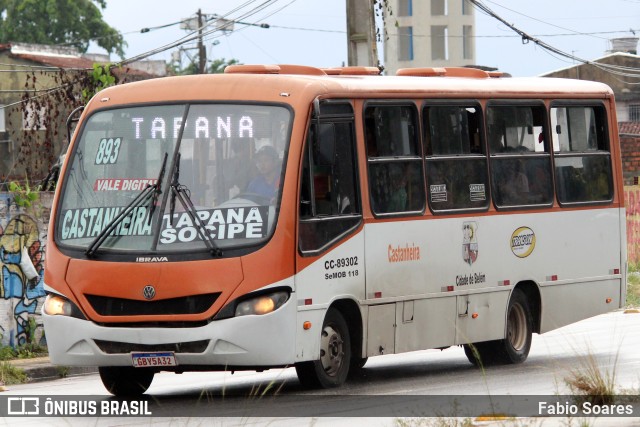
point(403, 253)
point(152, 259)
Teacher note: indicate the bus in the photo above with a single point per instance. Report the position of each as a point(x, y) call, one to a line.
point(291, 216)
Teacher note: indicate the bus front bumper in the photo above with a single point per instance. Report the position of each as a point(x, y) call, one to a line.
point(245, 341)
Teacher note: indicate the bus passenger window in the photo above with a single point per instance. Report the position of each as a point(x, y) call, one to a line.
point(329, 202)
point(582, 158)
point(396, 182)
point(456, 163)
point(520, 156)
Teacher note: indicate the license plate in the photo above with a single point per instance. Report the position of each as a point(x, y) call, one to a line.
point(153, 360)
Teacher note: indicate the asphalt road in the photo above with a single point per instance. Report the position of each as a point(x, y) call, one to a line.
point(418, 380)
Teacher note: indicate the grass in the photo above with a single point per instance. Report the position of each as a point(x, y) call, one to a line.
point(633, 288)
point(25, 351)
point(590, 383)
point(10, 374)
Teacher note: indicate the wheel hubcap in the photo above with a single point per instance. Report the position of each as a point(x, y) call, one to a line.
point(517, 327)
point(331, 350)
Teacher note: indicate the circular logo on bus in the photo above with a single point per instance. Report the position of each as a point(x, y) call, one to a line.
point(149, 292)
point(523, 241)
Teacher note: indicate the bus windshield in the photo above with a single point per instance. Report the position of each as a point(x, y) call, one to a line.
point(174, 178)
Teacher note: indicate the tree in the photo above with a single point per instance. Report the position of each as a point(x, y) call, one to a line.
point(217, 66)
point(59, 22)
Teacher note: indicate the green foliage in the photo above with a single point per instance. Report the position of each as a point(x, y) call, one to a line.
point(217, 67)
point(100, 78)
point(633, 290)
point(24, 196)
point(25, 351)
point(60, 22)
point(10, 374)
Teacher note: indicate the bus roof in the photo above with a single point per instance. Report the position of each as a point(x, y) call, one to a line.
point(301, 85)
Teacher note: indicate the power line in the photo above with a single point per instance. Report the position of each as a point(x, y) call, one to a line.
point(631, 72)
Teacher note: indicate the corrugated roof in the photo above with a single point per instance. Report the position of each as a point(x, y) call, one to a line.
point(629, 128)
point(76, 62)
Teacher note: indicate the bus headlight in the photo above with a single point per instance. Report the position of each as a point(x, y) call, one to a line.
point(262, 304)
point(55, 305)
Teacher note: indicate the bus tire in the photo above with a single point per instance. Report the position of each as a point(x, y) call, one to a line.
point(514, 348)
point(517, 343)
point(332, 368)
point(125, 380)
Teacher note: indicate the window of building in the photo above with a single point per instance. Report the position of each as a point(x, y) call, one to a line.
point(3, 126)
point(634, 113)
point(467, 42)
point(439, 42)
point(396, 183)
point(520, 156)
point(405, 43)
point(329, 201)
point(456, 160)
point(467, 7)
point(438, 7)
point(582, 157)
point(405, 8)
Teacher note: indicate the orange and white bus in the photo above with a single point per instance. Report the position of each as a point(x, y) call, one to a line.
point(286, 215)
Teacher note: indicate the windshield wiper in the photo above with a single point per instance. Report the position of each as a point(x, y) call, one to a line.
point(183, 195)
point(157, 188)
point(150, 192)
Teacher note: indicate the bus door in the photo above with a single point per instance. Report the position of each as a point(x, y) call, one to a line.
point(330, 255)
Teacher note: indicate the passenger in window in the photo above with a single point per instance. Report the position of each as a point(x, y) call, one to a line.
point(398, 196)
point(268, 180)
point(240, 170)
point(514, 186)
point(597, 178)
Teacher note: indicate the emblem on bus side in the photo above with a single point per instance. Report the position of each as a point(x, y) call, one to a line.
point(469, 242)
point(149, 292)
point(523, 241)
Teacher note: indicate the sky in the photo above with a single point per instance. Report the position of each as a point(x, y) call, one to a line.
point(313, 32)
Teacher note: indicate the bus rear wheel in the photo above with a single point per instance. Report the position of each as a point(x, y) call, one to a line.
point(514, 348)
point(332, 368)
point(125, 380)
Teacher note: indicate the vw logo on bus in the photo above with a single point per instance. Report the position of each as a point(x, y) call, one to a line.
point(149, 292)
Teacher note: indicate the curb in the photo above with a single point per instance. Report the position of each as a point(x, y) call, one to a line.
point(48, 373)
point(41, 369)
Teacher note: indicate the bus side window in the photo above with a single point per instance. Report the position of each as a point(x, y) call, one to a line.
point(456, 159)
point(582, 158)
point(396, 183)
point(329, 202)
point(520, 156)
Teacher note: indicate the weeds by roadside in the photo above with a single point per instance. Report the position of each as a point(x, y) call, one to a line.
point(633, 288)
point(10, 374)
point(25, 351)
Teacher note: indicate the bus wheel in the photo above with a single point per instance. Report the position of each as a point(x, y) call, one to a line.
point(125, 380)
point(517, 343)
point(514, 348)
point(332, 368)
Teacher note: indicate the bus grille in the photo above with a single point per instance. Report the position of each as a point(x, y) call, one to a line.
point(194, 304)
point(113, 347)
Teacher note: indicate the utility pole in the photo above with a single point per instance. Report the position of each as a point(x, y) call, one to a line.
point(361, 33)
point(202, 53)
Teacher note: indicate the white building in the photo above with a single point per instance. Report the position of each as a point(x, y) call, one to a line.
point(435, 33)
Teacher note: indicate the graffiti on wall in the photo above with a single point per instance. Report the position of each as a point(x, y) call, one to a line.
point(21, 274)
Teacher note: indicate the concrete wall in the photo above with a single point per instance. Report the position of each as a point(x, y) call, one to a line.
point(21, 299)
